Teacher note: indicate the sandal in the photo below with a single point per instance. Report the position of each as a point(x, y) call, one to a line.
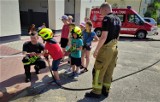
point(81, 67)
point(85, 70)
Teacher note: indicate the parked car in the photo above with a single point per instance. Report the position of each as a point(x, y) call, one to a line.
point(150, 20)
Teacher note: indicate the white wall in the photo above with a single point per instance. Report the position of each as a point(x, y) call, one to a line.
point(55, 11)
point(10, 18)
point(88, 4)
point(36, 5)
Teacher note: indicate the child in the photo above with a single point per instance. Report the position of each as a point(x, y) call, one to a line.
point(53, 49)
point(31, 29)
point(70, 19)
point(71, 26)
point(82, 26)
point(76, 47)
point(65, 33)
point(88, 37)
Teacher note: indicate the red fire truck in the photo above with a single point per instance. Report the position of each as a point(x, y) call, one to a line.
point(132, 22)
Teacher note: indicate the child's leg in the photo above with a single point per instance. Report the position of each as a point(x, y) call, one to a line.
point(87, 58)
point(55, 65)
point(73, 68)
point(78, 65)
point(83, 57)
point(56, 75)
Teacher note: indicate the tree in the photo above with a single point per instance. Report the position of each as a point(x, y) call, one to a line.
point(152, 10)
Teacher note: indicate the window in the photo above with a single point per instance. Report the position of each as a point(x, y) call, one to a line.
point(122, 17)
point(148, 20)
point(133, 19)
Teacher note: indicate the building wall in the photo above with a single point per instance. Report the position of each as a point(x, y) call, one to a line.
point(55, 12)
point(87, 4)
point(124, 3)
point(10, 19)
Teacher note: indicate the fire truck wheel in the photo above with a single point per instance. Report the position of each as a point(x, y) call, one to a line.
point(141, 35)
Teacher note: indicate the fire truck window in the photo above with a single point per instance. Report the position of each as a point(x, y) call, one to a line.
point(122, 17)
point(137, 20)
point(131, 18)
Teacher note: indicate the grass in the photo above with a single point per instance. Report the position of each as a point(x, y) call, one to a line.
point(158, 26)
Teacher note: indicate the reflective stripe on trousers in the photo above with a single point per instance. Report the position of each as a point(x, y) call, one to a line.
point(104, 66)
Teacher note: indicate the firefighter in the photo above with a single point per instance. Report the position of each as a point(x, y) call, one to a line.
point(32, 51)
point(105, 53)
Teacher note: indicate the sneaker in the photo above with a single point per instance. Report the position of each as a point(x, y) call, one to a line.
point(84, 70)
point(58, 82)
point(81, 67)
point(79, 71)
point(92, 95)
point(62, 60)
point(76, 76)
point(53, 83)
point(68, 71)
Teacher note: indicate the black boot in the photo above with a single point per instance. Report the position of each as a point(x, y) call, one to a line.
point(27, 79)
point(92, 95)
point(104, 91)
point(36, 69)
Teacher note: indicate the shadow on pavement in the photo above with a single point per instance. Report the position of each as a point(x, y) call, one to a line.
point(38, 88)
point(92, 99)
point(17, 80)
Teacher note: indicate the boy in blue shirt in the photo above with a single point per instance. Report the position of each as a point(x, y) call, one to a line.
point(76, 53)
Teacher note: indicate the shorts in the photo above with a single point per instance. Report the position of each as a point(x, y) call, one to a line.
point(55, 64)
point(76, 61)
point(87, 47)
point(64, 42)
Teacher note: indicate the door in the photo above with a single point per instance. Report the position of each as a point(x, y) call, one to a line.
point(70, 8)
point(132, 24)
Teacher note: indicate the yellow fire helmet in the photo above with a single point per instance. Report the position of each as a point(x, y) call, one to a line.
point(77, 31)
point(46, 33)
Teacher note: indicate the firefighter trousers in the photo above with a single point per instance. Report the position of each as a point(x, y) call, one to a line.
point(104, 65)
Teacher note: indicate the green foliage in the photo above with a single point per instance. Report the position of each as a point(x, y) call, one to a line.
point(157, 5)
point(147, 14)
point(152, 10)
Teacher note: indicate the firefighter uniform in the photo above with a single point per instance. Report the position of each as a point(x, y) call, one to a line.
point(107, 55)
point(32, 60)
